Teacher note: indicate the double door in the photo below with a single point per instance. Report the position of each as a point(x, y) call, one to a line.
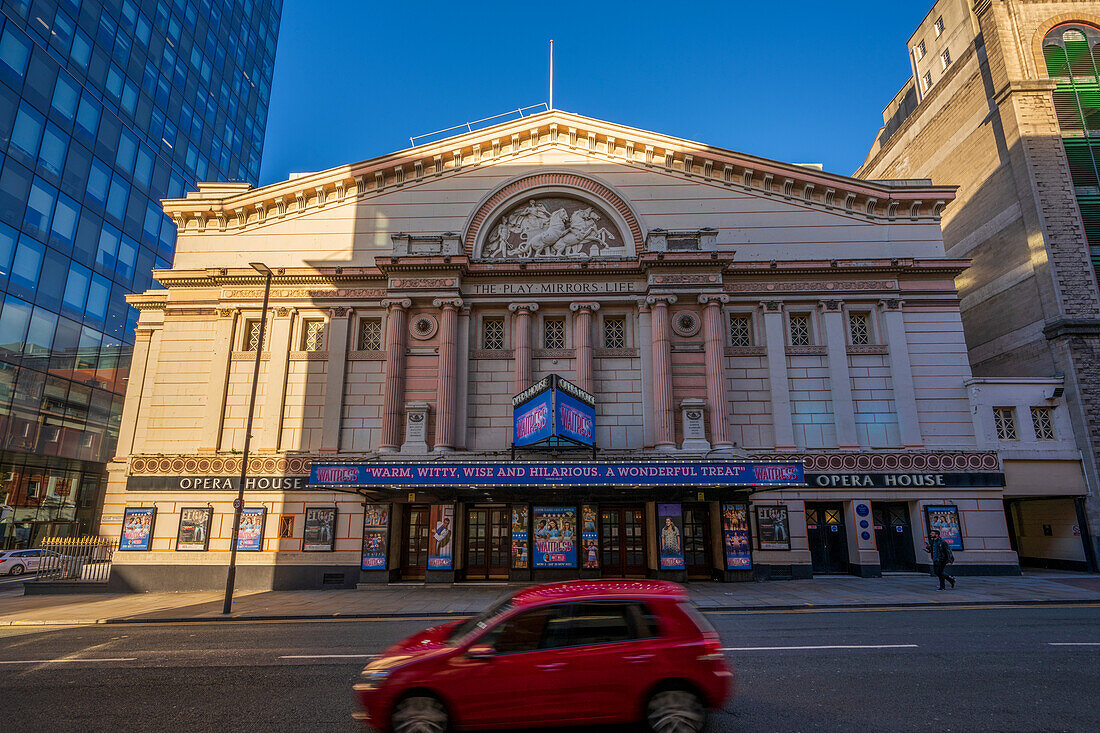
point(488, 543)
point(697, 550)
point(414, 550)
point(622, 542)
point(894, 536)
point(828, 538)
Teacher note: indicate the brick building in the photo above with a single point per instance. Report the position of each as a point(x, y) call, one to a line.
point(1005, 103)
point(773, 357)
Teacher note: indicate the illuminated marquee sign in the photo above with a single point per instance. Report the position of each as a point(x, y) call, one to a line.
point(552, 411)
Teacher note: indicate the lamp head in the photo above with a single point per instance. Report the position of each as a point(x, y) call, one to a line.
point(260, 268)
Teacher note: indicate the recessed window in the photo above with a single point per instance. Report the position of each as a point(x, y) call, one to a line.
point(313, 336)
point(740, 329)
point(32, 489)
point(1004, 418)
point(859, 329)
point(1042, 418)
point(801, 332)
point(252, 334)
point(927, 80)
point(614, 332)
point(921, 50)
point(553, 333)
point(939, 26)
point(945, 57)
point(286, 526)
point(370, 334)
point(492, 333)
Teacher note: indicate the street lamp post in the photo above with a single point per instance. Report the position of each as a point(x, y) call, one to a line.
point(238, 505)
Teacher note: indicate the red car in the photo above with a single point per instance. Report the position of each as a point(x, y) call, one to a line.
point(575, 653)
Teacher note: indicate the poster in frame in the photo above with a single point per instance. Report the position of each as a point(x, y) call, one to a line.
point(945, 518)
point(194, 529)
point(669, 537)
point(555, 537)
point(441, 540)
point(319, 534)
point(590, 538)
point(137, 528)
point(737, 536)
point(250, 533)
point(376, 532)
point(772, 530)
point(521, 523)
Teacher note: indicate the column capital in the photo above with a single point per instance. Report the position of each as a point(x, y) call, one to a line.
point(830, 305)
point(890, 304)
point(339, 311)
point(772, 306)
point(452, 303)
point(464, 311)
point(527, 308)
point(591, 307)
point(661, 300)
point(709, 299)
point(283, 312)
point(397, 303)
point(226, 312)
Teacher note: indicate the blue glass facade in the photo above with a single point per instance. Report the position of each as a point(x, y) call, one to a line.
point(106, 107)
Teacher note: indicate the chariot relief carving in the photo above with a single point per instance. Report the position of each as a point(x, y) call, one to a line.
point(553, 227)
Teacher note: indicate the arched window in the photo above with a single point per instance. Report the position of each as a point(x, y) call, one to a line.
point(1072, 55)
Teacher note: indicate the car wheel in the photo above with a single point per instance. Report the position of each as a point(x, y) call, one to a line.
point(16, 570)
point(420, 714)
point(675, 711)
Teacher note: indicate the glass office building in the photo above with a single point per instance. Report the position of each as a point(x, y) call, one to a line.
point(106, 107)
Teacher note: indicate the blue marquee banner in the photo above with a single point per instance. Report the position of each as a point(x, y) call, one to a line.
point(588, 473)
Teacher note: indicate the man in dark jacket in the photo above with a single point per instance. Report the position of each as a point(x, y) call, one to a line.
point(941, 557)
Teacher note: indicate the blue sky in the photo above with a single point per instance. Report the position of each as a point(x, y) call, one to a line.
point(797, 81)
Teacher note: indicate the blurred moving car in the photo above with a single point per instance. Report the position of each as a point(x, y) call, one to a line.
point(573, 653)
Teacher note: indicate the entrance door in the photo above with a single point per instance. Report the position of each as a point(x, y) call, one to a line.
point(414, 553)
point(622, 542)
point(697, 541)
point(894, 536)
point(488, 542)
point(828, 540)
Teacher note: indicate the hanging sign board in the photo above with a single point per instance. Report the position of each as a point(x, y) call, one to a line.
point(553, 410)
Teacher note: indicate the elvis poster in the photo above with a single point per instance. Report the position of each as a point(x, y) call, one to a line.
point(320, 530)
point(194, 531)
point(772, 528)
point(555, 537)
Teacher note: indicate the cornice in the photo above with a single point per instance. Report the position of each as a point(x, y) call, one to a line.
point(216, 208)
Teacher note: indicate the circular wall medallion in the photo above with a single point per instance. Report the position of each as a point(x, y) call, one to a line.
point(865, 535)
point(423, 327)
point(685, 323)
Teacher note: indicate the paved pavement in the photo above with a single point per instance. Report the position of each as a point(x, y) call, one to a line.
point(402, 599)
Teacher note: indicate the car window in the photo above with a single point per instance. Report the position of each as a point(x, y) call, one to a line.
point(698, 619)
point(602, 622)
point(524, 632)
point(481, 621)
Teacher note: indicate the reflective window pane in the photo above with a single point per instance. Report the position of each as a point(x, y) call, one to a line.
point(13, 325)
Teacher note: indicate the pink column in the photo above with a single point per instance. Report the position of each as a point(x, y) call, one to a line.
point(717, 402)
point(393, 396)
point(447, 383)
point(522, 344)
point(582, 343)
point(663, 415)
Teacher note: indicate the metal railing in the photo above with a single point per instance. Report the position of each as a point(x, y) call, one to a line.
point(76, 559)
point(469, 126)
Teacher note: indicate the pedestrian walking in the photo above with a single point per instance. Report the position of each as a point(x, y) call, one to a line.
point(941, 558)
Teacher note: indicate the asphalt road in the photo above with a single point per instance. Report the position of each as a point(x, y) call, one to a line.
point(1035, 668)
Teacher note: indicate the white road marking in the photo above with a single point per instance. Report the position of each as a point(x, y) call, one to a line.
point(1073, 643)
point(68, 660)
point(328, 656)
point(806, 648)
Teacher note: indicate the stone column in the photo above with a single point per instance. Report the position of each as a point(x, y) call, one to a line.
point(278, 363)
point(582, 343)
point(393, 395)
point(717, 392)
point(463, 389)
point(446, 374)
point(664, 429)
point(645, 354)
point(840, 379)
point(335, 370)
point(216, 388)
point(776, 344)
point(135, 387)
point(522, 344)
point(901, 373)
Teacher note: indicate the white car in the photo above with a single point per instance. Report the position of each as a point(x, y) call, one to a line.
point(17, 562)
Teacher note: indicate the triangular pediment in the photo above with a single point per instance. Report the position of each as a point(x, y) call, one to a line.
point(232, 207)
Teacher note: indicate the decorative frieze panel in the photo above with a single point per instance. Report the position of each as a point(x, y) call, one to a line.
point(492, 354)
point(308, 356)
point(745, 351)
point(810, 286)
point(218, 465)
point(892, 461)
point(614, 353)
point(303, 293)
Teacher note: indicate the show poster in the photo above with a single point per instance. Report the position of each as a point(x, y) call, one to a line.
point(441, 541)
point(194, 532)
point(772, 528)
point(521, 523)
point(946, 520)
point(736, 536)
point(250, 534)
point(590, 539)
point(669, 522)
point(555, 537)
point(320, 530)
point(376, 532)
point(137, 528)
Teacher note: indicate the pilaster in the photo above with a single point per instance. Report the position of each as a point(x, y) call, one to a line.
point(339, 319)
point(142, 370)
point(446, 373)
point(664, 428)
point(393, 395)
point(901, 373)
point(279, 349)
point(776, 346)
point(522, 341)
point(218, 386)
point(463, 387)
point(717, 393)
point(582, 343)
point(840, 379)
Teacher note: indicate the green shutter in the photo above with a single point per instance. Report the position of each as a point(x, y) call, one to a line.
point(1082, 167)
point(1080, 61)
point(1057, 63)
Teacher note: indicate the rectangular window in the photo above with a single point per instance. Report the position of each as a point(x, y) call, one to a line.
point(801, 331)
point(945, 57)
point(32, 489)
point(370, 334)
point(927, 80)
point(1043, 420)
point(313, 336)
point(859, 328)
point(553, 333)
point(939, 26)
point(740, 329)
point(286, 526)
point(1005, 420)
point(252, 334)
point(921, 50)
point(492, 333)
point(614, 333)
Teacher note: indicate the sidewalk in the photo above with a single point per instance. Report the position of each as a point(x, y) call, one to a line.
point(419, 600)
